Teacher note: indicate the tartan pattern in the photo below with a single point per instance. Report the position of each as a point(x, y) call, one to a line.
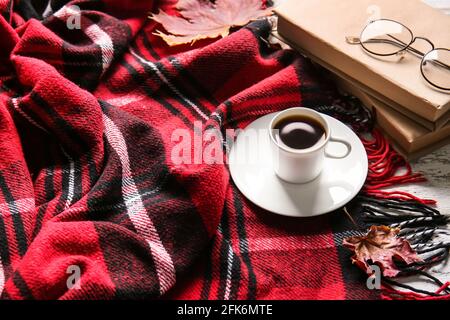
point(86, 176)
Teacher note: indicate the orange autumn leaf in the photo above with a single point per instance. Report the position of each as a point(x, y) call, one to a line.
point(203, 19)
point(381, 246)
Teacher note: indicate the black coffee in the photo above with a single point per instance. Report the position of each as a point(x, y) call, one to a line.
point(299, 132)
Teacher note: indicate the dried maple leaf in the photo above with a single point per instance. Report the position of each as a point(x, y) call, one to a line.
point(204, 19)
point(381, 246)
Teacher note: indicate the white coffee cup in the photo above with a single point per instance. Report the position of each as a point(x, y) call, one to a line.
point(303, 165)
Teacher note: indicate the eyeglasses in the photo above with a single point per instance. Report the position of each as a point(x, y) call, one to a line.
point(386, 37)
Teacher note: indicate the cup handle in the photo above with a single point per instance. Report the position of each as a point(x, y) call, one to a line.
point(345, 143)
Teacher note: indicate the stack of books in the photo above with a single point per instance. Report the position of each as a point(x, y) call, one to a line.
point(415, 115)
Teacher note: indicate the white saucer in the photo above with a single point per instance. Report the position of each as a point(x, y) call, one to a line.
point(339, 182)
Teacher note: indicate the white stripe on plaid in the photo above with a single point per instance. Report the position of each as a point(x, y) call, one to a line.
point(169, 84)
point(136, 210)
point(21, 205)
point(15, 103)
point(70, 191)
point(2, 277)
point(229, 273)
point(291, 243)
point(319, 241)
point(66, 12)
point(94, 32)
point(125, 99)
point(230, 258)
point(48, 10)
point(103, 40)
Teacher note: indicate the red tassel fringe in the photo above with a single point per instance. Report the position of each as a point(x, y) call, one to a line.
point(384, 165)
point(390, 293)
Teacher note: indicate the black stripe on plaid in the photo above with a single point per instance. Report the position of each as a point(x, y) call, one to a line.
point(70, 133)
point(20, 233)
point(28, 10)
point(92, 169)
point(166, 88)
point(22, 286)
point(188, 77)
point(182, 85)
point(139, 79)
point(224, 251)
point(243, 243)
point(65, 127)
point(236, 279)
point(49, 194)
point(8, 10)
point(260, 30)
point(311, 94)
point(132, 271)
point(65, 178)
point(149, 47)
point(51, 157)
point(4, 249)
point(207, 279)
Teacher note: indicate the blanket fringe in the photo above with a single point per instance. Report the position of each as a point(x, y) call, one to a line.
point(384, 164)
point(419, 224)
point(418, 221)
point(390, 293)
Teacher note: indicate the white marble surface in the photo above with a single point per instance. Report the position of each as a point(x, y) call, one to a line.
point(436, 167)
point(443, 5)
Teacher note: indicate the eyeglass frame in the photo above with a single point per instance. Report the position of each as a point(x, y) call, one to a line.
point(352, 40)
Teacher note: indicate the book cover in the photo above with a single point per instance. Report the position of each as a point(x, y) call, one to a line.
point(410, 136)
point(321, 31)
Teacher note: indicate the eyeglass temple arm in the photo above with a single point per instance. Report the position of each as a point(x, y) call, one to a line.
point(399, 43)
point(408, 47)
point(419, 53)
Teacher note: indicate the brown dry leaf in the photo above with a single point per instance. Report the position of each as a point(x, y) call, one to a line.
point(204, 19)
point(380, 246)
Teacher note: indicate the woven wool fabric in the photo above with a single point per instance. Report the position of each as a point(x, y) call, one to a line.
point(87, 179)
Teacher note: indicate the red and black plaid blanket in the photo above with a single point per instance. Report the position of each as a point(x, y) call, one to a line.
point(86, 176)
